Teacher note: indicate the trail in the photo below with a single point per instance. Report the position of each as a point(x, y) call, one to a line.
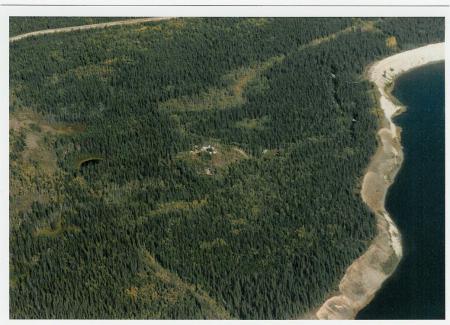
point(86, 27)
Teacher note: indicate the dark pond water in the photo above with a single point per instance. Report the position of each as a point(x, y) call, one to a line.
point(416, 203)
point(90, 162)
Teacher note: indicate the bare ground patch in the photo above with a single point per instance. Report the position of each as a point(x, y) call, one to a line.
point(212, 159)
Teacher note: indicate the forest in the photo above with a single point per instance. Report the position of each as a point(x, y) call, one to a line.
point(194, 168)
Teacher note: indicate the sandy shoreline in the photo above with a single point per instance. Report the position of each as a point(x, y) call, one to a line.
point(365, 276)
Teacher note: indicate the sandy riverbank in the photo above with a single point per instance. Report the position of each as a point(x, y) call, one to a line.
point(364, 276)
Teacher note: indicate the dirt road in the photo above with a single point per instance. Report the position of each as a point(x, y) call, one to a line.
point(85, 27)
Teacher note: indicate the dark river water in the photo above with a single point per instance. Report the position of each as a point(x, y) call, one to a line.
point(416, 203)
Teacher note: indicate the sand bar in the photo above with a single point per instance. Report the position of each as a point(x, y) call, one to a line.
point(365, 276)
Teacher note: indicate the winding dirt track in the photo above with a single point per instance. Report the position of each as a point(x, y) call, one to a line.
point(85, 27)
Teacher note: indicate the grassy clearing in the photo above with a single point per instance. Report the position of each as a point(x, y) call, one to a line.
point(166, 28)
point(158, 285)
point(253, 124)
point(33, 160)
point(250, 77)
point(259, 22)
point(212, 244)
point(366, 25)
point(103, 71)
point(271, 153)
point(56, 228)
point(27, 119)
point(391, 42)
point(359, 24)
point(212, 163)
point(113, 193)
point(174, 206)
point(232, 95)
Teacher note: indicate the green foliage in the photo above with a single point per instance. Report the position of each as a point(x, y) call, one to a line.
point(411, 32)
point(267, 234)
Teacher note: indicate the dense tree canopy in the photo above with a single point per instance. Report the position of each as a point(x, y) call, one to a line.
point(193, 168)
